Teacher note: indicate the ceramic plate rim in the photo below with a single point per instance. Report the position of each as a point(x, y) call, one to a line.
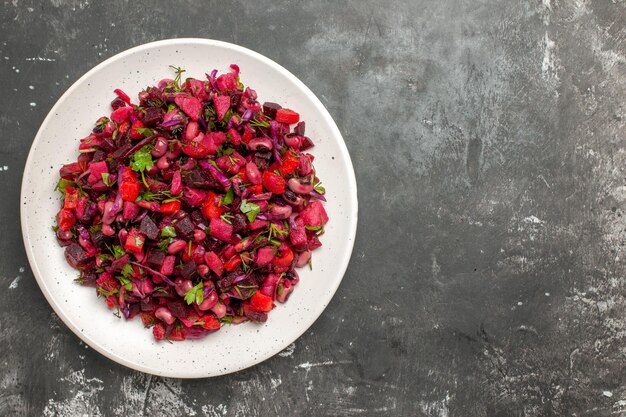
point(353, 216)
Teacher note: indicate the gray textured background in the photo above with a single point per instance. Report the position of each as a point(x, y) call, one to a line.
point(488, 273)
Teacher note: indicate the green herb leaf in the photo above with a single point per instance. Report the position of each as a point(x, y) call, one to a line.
point(227, 217)
point(228, 198)
point(164, 244)
point(168, 231)
point(224, 152)
point(146, 131)
point(274, 230)
point(317, 186)
point(142, 159)
point(258, 123)
point(105, 178)
point(315, 229)
point(64, 183)
point(117, 251)
point(127, 270)
point(195, 294)
point(249, 209)
point(103, 122)
point(126, 282)
point(179, 72)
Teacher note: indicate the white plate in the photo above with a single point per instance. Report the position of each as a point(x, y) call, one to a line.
point(127, 342)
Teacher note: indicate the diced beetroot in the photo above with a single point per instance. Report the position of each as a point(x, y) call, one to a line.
point(247, 136)
point(297, 235)
point(75, 255)
point(314, 214)
point(155, 258)
point(273, 182)
point(188, 270)
point(134, 241)
point(176, 335)
point(184, 228)
point(131, 210)
point(65, 219)
point(314, 242)
point(193, 197)
point(218, 138)
point(198, 147)
point(70, 171)
point(264, 256)
point(158, 331)
point(226, 82)
point(71, 198)
point(135, 130)
point(96, 169)
point(253, 315)
point(149, 228)
point(270, 109)
point(198, 89)
point(231, 163)
point(261, 302)
point(210, 322)
point(269, 285)
point(289, 164)
point(257, 224)
point(232, 263)
point(190, 105)
point(152, 115)
point(121, 114)
point(287, 116)
point(211, 207)
point(117, 103)
point(235, 137)
point(155, 185)
point(284, 257)
point(220, 229)
point(170, 207)
point(147, 318)
point(222, 105)
point(228, 252)
point(214, 262)
point(82, 209)
point(107, 283)
point(129, 185)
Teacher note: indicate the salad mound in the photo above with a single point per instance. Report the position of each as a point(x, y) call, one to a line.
point(192, 208)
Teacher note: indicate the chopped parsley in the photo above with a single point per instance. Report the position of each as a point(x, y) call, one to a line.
point(142, 159)
point(195, 294)
point(249, 209)
point(168, 231)
point(228, 198)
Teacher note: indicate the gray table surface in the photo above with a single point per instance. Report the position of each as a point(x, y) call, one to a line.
point(488, 142)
